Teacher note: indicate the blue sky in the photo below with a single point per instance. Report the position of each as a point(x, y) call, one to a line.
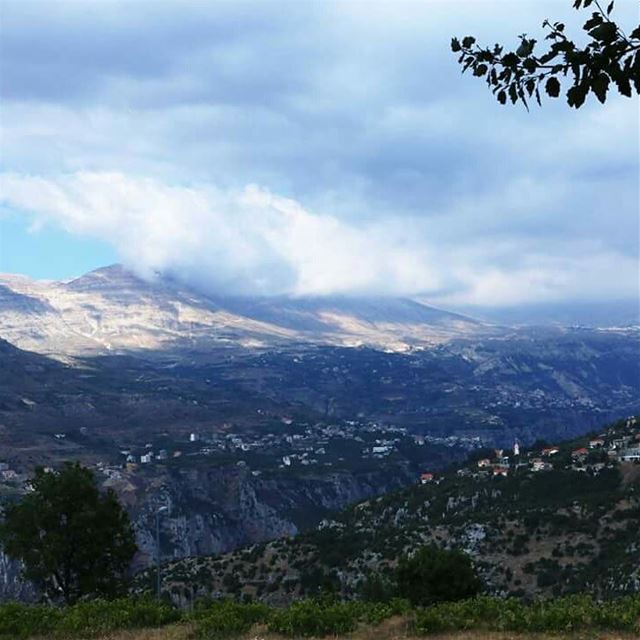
point(270, 147)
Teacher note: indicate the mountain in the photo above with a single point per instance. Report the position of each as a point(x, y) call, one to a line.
point(534, 525)
point(111, 310)
point(603, 313)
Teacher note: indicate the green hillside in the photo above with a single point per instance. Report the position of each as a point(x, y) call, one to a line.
point(540, 523)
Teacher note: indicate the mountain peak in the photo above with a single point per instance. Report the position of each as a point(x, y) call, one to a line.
point(105, 276)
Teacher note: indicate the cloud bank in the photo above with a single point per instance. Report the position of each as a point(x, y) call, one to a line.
point(254, 242)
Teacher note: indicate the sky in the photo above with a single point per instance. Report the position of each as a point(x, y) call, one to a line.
point(307, 148)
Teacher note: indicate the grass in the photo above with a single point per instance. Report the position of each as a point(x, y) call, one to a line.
point(394, 629)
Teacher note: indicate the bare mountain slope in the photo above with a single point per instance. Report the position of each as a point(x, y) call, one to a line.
point(113, 310)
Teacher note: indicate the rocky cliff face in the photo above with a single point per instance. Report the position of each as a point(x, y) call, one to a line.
point(12, 586)
point(216, 510)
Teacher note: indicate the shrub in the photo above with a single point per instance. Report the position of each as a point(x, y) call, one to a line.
point(315, 618)
point(18, 621)
point(436, 575)
point(225, 619)
point(329, 617)
point(561, 615)
point(101, 616)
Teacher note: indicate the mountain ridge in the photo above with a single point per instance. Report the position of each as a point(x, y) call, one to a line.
point(111, 309)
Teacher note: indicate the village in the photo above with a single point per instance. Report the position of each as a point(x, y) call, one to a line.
point(594, 454)
point(296, 446)
point(288, 446)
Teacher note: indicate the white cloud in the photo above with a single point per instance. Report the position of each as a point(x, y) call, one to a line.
point(251, 241)
point(247, 241)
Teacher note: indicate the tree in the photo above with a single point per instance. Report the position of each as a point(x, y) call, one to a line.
point(609, 57)
point(73, 540)
point(436, 575)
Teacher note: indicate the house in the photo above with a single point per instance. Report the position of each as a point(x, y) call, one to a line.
point(580, 454)
point(500, 471)
point(381, 449)
point(630, 455)
point(426, 477)
point(193, 437)
point(538, 464)
point(146, 458)
point(550, 451)
point(620, 443)
point(484, 462)
point(595, 443)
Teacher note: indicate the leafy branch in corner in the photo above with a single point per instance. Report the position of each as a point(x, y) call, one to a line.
point(610, 57)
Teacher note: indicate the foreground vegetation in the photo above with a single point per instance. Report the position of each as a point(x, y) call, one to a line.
point(321, 617)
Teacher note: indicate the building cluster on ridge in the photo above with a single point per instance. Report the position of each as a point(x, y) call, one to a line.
point(597, 453)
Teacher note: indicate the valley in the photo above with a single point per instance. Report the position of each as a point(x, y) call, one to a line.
point(256, 419)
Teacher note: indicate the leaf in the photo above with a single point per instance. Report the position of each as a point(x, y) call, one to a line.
point(552, 87)
point(605, 32)
point(595, 20)
point(600, 86)
point(523, 98)
point(480, 70)
point(513, 93)
point(577, 95)
point(502, 97)
point(610, 8)
point(624, 86)
point(468, 41)
point(530, 85)
point(524, 49)
point(538, 97)
point(455, 45)
point(510, 60)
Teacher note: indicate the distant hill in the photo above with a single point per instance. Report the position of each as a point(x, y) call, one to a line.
point(113, 310)
point(605, 313)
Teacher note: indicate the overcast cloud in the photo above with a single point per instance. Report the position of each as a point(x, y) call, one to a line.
point(327, 147)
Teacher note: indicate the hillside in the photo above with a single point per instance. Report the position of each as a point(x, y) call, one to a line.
point(538, 523)
point(112, 310)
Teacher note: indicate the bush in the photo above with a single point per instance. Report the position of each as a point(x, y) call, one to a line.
point(18, 621)
point(436, 575)
point(96, 617)
point(101, 616)
point(562, 615)
point(225, 619)
point(314, 618)
point(330, 617)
